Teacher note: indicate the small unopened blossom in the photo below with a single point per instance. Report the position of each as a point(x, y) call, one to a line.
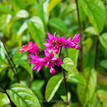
point(52, 70)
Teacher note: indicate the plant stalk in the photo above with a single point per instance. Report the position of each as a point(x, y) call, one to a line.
point(10, 60)
point(64, 78)
point(96, 53)
point(11, 102)
point(79, 28)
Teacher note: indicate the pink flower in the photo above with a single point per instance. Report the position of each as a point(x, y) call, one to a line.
point(60, 41)
point(67, 43)
point(57, 61)
point(56, 49)
point(77, 47)
point(31, 48)
point(52, 70)
point(23, 49)
point(48, 54)
point(51, 38)
point(39, 62)
point(76, 38)
point(53, 45)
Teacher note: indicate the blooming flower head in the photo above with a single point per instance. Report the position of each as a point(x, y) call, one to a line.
point(31, 48)
point(60, 41)
point(47, 58)
point(76, 38)
point(67, 43)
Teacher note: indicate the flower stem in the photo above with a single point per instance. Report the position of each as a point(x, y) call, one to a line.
point(64, 78)
point(79, 28)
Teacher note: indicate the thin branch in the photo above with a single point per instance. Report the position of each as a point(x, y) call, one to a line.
point(10, 60)
point(4, 91)
point(64, 78)
point(96, 53)
point(79, 28)
point(11, 103)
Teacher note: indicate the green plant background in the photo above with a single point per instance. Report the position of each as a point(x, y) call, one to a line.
point(30, 20)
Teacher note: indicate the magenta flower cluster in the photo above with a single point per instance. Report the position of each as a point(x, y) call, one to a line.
point(53, 47)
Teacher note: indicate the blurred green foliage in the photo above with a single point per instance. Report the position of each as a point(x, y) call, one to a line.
point(30, 20)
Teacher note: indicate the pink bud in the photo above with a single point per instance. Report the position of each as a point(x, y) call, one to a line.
point(52, 70)
point(77, 47)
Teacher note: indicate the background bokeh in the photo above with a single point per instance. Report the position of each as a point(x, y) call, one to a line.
point(30, 20)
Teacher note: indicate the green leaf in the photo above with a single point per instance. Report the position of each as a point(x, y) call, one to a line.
point(52, 4)
point(22, 14)
point(103, 40)
point(69, 66)
point(58, 24)
point(87, 91)
point(37, 34)
point(38, 23)
point(22, 28)
point(59, 104)
point(91, 30)
point(23, 96)
point(102, 94)
point(20, 59)
point(88, 43)
point(73, 54)
point(17, 4)
point(95, 11)
point(3, 100)
point(52, 86)
point(76, 78)
point(104, 63)
point(38, 89)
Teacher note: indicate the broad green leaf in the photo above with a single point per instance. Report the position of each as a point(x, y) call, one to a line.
point(22, 14)
point(58, 24)
point(87, 44)
point(4, 21)
point(52, 4)
point(104, 63)
point(87, 91)
point(73, 54)
point(68, 9)
point(59, 104)
point(65, 97)
point(91, 30)
point(18, 4)
point(102, 94)
point(76, 78)
point(95, 11)
point(22, 96)
point(4, 100)
point(37, 34)
point(45, 9)
point(22, 28)
point(20, 59)
point(3, 67)
point(103, 40)
point(38, 23)
point(36, 87)
point(52, 86)
point(74, 105)
point(69, 66)
point(4, 9)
